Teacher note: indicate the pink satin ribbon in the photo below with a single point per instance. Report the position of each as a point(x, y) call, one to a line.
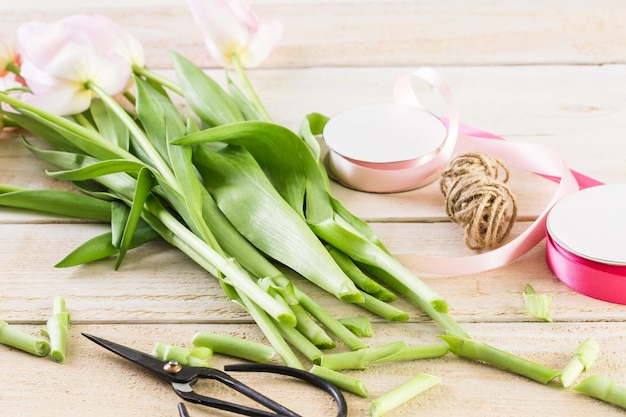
point(594, 279)
point(531, 157)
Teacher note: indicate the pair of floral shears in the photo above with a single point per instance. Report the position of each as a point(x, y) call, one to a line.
point(182, 379)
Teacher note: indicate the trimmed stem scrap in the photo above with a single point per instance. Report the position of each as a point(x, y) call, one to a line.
point(472, 349)
point(56, 329)
point(26, 342)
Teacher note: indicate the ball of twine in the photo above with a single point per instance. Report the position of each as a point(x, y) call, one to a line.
point(478, 200)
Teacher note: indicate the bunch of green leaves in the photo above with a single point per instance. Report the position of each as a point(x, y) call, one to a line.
point(135, 170)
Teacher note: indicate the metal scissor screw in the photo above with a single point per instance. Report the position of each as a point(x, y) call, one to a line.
point(172, 367)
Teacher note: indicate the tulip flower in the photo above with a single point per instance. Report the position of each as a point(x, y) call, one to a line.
point(232, 30)
point(236, 38)
point(63, 58)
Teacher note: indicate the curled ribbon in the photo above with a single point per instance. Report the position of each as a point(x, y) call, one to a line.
point(531, 157)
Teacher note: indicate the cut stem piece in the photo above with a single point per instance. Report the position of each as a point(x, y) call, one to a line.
point(361, 359)
point(342, 381)
point(26, 342)
point(234, 346)
point(472, 349)
point(401, 394)
point(360, 325)
point(414, 352)
point(193, 357)
point(584, 356)
point(56, 330)
point(537, 305)
point(603, 388)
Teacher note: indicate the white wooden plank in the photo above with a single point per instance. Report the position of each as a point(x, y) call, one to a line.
point(158, 283)
point(382, 32)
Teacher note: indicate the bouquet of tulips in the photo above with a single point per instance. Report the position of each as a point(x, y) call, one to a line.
point(234, 191)
point(225, 185)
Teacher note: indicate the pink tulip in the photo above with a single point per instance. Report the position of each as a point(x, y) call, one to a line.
point(230, 27)
point(61, 57)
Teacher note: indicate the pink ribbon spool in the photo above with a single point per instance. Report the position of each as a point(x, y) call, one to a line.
point(585, 246)
point(386, 148)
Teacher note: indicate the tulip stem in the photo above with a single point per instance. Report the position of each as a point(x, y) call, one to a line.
point(252, 95)
point(143, 141)
point(13, 67)
point(164, 81)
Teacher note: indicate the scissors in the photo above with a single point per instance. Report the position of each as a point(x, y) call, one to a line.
point(182, 379)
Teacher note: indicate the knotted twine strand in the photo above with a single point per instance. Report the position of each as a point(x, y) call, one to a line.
point(477, 200)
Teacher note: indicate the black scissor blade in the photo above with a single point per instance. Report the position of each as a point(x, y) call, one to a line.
point(182, 410)
point(135, 356)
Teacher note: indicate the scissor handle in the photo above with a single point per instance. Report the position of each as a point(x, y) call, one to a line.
point(186, 392)
point(342, 406)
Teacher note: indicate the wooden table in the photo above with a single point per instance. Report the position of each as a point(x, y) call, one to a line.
point(548, 72)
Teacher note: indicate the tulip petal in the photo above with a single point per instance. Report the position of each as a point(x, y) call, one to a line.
point(40, 82)
point(108, 37)
point(64, 101)
point(227, 26)
point(262, 44)
point(232, 27)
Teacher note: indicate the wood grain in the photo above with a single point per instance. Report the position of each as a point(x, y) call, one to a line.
point(383, 32)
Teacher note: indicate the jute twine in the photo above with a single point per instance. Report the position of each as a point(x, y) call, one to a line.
point(477, 200)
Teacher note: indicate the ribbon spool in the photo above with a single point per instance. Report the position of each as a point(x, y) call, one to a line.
point(584, 244)
point(391, 147)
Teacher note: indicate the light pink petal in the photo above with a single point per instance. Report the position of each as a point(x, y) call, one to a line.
point(73, 61)
point(72, 99)
point(114, 74)
point(245, 14)
point(38, 81)
point(39, 42)
point(226, 30)
point(263, 43)
point(108, 37)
